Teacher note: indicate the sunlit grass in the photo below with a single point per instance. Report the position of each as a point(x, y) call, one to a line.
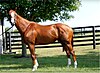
point(53, 60)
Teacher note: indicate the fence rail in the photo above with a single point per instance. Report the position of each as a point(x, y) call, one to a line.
point(83, 36)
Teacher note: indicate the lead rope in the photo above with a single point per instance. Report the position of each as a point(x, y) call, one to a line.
point(6, 30)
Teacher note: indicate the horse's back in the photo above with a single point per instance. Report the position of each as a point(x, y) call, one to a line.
point(60, 27)
point(57, 26)
point(64, 27)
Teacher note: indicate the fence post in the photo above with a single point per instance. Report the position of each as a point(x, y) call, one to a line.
point(10, 42)
point(81, 31)
point(6, 41)
point(94, 40)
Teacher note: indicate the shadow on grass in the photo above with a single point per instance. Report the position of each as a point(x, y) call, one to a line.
point(90, 60)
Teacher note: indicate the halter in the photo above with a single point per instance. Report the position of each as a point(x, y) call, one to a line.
point(12, 18)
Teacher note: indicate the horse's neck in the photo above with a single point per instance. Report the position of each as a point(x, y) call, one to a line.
point(21, 24)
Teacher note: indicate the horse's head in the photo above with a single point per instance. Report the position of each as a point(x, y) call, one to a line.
point(12, 13)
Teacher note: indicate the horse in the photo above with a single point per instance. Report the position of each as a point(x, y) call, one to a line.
point(35, 34)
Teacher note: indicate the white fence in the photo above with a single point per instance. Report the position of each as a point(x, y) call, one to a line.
point(1, 49)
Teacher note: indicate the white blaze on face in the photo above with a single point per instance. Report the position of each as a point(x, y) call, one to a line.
point(12, 17)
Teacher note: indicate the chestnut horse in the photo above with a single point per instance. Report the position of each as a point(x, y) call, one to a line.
point(33, 33)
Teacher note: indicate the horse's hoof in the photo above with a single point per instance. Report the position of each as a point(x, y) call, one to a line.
point(75, 64)
point(34, 69)
point(75, 67)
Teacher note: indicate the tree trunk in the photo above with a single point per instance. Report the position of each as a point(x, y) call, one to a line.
point(24, 49)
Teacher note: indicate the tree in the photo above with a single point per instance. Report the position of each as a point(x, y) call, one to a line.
point(41, 10)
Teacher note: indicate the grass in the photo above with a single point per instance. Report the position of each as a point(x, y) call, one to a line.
point(53, 61)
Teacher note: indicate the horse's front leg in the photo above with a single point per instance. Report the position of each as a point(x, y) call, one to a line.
point(33, 56)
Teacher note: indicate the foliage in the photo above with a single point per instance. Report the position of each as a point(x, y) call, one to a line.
point(41, 10)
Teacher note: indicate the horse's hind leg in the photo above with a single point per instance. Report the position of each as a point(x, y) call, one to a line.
point(69, 60)
point(71, 50)
point(65, 48)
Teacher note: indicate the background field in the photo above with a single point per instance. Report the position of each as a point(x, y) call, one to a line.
point(52, 60)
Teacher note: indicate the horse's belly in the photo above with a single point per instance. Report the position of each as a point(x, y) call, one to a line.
point(46, 36)
point(45, 40)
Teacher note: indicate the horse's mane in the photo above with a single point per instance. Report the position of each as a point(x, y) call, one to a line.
point(18, 16)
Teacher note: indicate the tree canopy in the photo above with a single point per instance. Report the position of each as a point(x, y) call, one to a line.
point(40, 10)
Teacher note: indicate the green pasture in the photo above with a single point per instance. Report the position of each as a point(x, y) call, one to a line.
point(52, 60)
